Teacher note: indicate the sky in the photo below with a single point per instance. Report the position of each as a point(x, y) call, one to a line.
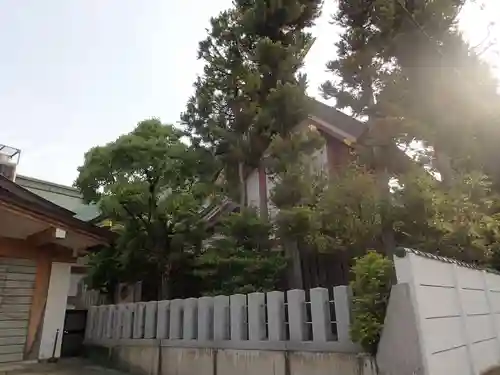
point(79, 73)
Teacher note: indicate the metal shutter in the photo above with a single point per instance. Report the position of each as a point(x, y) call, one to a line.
point(17, 281)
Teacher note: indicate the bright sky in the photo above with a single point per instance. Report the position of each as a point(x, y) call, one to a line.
point(78, 73)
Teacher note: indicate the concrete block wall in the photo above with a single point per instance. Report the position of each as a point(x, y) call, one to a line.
point(443, 318)
point(318, 320)
point(281, 333)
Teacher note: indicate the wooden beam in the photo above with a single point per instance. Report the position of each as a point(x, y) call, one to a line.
point(43, 268)
point(49, 235)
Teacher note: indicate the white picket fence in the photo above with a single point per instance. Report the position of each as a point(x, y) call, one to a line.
point(316, 321)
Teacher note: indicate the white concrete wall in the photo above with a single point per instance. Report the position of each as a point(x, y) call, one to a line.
point(457, 312)
point(55, 310)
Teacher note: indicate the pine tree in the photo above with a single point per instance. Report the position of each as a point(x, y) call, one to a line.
point(250, 89)
point(410, 60)
point(405, 66)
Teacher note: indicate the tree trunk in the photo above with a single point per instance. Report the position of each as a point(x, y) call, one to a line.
point(295, 276)
point(381, 141)
point(388, 240)
point(165, 292)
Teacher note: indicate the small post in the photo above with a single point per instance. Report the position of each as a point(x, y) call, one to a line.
point(276, 315)
point(190, 330)
point(108, 333)
point(238, 312)
point(138, 332)
point(176, 319)
point(221, 318)
point(117, 328)
point(163, 324)
point(320, 314)
point(205, 318)
point(128, 320)
point(342, 300)
point(89, 328)
point(296, 314)
point(101, 327)
point(150, 320)
point(257, 316)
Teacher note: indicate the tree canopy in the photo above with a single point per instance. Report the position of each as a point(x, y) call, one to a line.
point(153, 186)
point(402, 67)
point(250, 89)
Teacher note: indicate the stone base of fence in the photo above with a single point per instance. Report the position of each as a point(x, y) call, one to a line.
point(154, 357)
point(292, 333)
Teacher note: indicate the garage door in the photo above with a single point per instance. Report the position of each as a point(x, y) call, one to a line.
point(17, 278)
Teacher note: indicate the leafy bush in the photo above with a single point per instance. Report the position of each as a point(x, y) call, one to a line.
point(371, 288)
point(242, 257)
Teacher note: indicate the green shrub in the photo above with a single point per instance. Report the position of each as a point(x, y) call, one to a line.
point(371, 288)
point(242, 259)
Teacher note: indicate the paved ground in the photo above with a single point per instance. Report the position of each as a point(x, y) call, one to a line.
point(63, 367)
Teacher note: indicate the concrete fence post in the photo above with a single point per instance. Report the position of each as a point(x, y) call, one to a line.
point(176, 319)
point(276, 315)
point(101, 326)
point(128, 320)
point(89, 328)
point(118, 323)
point(205, 318)
point(320, 315)
point(239, 317)
point(109, 321)
point(342, 300)
point(97, 324)
point(190, 330)
point(163, 320)
point(296, 314)
point(221, 318)
point(139, 315)
point(150, 320)
point(257, 316)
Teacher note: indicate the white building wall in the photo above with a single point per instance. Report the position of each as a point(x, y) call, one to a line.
point(252, 185)
point(457, 313)
point(75, 280)
point(55, 310)
point(319, 159)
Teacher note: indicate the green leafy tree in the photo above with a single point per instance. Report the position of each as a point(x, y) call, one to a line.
point(241, 258)
point(105, 270)
point(407, 68)
point(250, 89)
point(153, 185)
point(380, 46)
point(403, 64)
point(459, 222)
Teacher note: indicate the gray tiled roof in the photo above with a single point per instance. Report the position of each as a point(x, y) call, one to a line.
point(342, 121)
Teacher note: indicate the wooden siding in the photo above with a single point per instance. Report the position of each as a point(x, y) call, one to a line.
point(17, 281)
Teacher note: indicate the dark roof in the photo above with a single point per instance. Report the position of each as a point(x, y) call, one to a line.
point(23, 198)
point(339, 119)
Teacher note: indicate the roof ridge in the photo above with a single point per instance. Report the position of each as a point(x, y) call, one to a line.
point(50, 183)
